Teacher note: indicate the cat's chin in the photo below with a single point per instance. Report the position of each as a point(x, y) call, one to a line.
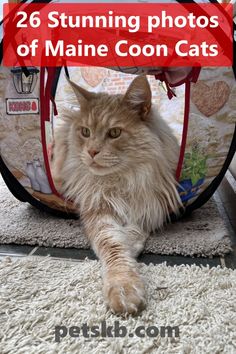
point(99, 170)
point(102, 171)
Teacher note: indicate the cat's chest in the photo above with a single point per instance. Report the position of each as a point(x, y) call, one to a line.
point(134, 205)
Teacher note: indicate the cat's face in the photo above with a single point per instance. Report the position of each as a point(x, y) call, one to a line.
point(110, 132)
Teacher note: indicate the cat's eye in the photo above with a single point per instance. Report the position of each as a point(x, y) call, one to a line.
point(85, 132)
point(114, 133)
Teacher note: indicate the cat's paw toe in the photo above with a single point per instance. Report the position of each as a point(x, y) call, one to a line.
point(125, 295)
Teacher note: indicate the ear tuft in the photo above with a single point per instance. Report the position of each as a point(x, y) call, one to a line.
point(139, 96)
point(81, 94)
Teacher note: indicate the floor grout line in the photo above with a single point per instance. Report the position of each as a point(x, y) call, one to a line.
point(222, 262)
point(33, 251)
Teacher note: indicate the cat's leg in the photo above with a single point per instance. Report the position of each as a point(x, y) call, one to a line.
point(117, 246)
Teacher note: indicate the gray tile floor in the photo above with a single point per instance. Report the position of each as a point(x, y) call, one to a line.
point(226, 202)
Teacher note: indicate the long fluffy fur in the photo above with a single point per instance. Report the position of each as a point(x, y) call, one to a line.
point(135, 195)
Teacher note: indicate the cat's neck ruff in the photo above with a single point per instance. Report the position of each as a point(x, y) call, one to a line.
point(139, 195)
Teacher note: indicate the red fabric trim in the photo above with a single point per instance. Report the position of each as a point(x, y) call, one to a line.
point(191, 77)
point(185, 129)
point(55, 112)
point(45, 116)
point(162, 78)
point(195, 74)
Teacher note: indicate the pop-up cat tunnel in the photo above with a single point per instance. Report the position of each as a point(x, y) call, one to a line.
point(198, 103)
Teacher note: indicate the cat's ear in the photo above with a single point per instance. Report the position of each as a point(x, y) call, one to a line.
point(139, 96)
point(82, 95)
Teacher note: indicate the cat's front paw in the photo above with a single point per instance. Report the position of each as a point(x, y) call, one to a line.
point(124, 293)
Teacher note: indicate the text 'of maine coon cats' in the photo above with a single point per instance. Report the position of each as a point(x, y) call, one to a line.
point(116, 159)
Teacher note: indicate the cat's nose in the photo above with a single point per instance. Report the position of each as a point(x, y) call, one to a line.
point(92, 153)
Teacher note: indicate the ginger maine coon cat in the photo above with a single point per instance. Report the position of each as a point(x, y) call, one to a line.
point(116, 158)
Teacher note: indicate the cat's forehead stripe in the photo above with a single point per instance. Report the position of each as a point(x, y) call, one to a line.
point(104, 112)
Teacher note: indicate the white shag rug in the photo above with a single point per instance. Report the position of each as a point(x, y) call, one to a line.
point(37, 294)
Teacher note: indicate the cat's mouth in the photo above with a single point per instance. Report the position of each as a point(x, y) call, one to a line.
point(96, 165)
point(100, 170)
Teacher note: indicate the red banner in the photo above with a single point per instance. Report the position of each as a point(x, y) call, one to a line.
point(117, 35)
